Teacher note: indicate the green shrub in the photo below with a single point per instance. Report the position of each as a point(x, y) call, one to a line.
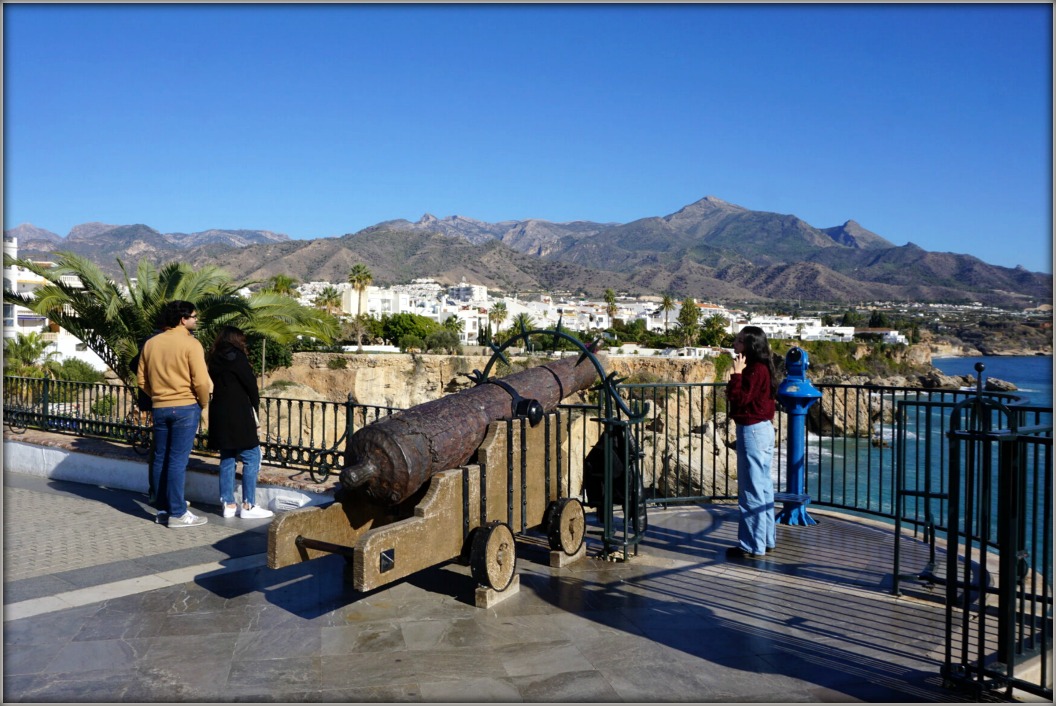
point(339, 363)
point(276, 355)
point(411, 342)
point(76, 370)
point(399, 326)
point(723, 362)
point(443, 342)
point(104, 406)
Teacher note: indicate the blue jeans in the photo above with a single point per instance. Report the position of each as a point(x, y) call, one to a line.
point(756, 530)
point(250, 459)
point(174, 432)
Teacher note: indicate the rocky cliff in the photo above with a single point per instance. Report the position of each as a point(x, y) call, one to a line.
point(405, 380)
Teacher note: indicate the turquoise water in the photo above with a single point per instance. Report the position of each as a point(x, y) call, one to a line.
point(1031, 374)
point(858, 473)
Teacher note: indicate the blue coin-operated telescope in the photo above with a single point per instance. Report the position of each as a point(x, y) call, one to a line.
point(796, 394)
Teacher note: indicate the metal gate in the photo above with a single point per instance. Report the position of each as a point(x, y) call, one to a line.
point(999, 555)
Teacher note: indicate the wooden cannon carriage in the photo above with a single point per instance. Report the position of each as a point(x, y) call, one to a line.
point(451, 479)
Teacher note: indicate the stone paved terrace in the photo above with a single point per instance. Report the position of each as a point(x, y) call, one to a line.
point(103, 605)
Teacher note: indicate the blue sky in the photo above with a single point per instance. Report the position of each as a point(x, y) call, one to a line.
point(929, 124)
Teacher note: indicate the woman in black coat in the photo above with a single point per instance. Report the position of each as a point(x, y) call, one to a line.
point(233, 422)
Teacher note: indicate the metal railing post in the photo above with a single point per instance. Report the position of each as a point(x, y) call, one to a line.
point(350, 412)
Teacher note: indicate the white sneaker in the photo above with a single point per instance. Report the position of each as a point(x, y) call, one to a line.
point(229, 510)
point(187, 519)
point(254, 513)
point(161, 517)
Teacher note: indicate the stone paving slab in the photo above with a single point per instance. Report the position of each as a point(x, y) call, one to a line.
point(194, 615)
point(88, 537)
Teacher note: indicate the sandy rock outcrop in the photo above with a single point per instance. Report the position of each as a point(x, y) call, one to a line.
point(391, 380)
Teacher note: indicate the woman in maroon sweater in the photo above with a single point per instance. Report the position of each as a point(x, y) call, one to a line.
point(751, 393)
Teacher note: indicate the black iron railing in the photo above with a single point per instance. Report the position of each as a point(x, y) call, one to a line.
point(997, 522)
point(295, 433)
point(864, 442)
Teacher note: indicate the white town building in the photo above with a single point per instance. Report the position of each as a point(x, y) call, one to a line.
point(20, 320)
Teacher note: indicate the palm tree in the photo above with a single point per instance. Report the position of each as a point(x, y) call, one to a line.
point(112, 319)
point(667, 305)
point(360, 278)
point(28, 354)
point(497, 314)
point(329, 299)
point(522, 322)
point(454, 324)
point(610, 306)
point(689, 321)
point(282, 284)
point(277, 317)
point(356, 326)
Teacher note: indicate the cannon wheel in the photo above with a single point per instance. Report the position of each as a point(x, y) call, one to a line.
point(493, 556)
point(566, 525)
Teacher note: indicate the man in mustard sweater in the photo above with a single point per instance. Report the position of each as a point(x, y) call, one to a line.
point(172, 371)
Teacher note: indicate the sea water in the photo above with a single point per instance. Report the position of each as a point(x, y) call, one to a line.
point(853, 467)
point(1032, 374)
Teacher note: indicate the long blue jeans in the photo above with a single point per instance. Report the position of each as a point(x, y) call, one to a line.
point(756, 530)
point(250, 459)
point(174, 431)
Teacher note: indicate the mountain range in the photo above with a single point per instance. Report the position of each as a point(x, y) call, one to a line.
point(710, 250)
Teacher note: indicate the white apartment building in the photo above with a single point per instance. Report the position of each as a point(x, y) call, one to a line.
point(474, 319)
point(802, 329)
point(464, 292)
point(309, 291)
point(20, 320)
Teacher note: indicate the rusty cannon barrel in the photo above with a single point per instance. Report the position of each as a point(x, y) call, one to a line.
point(394, 456)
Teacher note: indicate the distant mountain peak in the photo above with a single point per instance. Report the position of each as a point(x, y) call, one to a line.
point(430, 220)
point(86, 231)
point(716, 201)
point(712, 203)
point(708, 210)
point(853, 235)
point(27, 233)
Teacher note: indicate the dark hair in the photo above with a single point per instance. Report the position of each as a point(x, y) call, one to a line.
point(226, 338)
point(174, 312)
point(757, 348)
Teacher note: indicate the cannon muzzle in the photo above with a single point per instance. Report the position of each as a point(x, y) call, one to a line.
point(358, 474)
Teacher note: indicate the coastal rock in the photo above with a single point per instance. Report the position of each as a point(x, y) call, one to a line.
point(935, 379)
point(996, 385)
point(851, 414)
